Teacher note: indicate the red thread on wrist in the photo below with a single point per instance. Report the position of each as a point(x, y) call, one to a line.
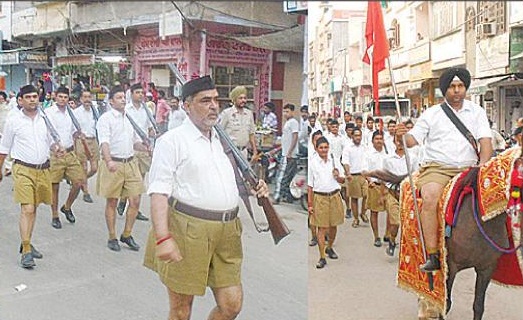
point(160, 241)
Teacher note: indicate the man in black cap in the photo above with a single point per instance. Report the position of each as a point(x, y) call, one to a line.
point(447, 151)
point(26, 138)
point(196, 237)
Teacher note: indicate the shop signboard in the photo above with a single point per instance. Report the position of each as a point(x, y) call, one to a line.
point(8, 58)
point(75, 60)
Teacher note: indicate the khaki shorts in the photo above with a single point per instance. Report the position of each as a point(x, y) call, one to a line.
point(211, 250)
point(67, 167)
point(358, 187)
point(373, 199)
point(123, 183)
point(435, 172)
point(144, 161)
point(31, 186)
point(328, 210)
point(393, 208)
point(93, 147)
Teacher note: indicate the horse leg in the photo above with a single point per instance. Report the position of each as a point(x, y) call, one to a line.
point(483, 277)
point(451, 276)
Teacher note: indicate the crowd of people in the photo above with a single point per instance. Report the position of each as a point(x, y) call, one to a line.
point(345, 161)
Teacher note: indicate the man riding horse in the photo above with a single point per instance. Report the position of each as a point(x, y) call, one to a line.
point(447, 151)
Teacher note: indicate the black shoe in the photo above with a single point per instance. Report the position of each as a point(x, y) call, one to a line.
point(432, 263)
point(386, 239)
point(130, 242)
point(377, 242)
point(56, 223)
point(68, 214)
point(27, 261)
point(288, 200)
point(87, 198)
point(391, 248)
point(313, 242)
point(321, 263)
point(36, 254)
point(276, 201)
point(348, 213)
point(141, 217)
point(113, 245)
point(120, 208)
point(330, 253)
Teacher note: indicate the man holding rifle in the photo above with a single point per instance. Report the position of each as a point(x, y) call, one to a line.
point(26, 139)
point(196, 238)
point(87, 115)
point(68, 166)
point(119, 175)
point(138, 111)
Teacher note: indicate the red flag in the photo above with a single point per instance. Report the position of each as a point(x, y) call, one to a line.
point(376, 36)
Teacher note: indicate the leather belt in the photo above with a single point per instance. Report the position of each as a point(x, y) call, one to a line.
point(327, 193)
point(124, 160)
point(69, 149)
point(356, 174)
point(212, 215)
point(42, 166)
point(90, 138)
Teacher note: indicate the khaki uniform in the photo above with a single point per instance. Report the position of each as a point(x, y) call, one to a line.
point(31, 186)
point(68, 167)
point(239, 125)
point(328, 210)
point(93, 147)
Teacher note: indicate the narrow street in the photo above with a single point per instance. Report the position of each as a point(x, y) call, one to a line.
point(79, 278)
point(361, 285)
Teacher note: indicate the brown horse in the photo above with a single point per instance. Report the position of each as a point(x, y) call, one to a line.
point(467, 247)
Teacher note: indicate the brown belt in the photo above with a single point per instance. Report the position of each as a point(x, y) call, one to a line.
point(356, 174)
point(124, 160)
point(213, 215)
point(327, 193)
point(69, 149)
point(90, 138)
point(42, 166)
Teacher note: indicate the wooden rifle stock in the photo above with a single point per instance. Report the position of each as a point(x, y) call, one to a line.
point(79, 130)
point(276, 225)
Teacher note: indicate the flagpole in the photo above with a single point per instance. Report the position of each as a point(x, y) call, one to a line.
point(409, 171)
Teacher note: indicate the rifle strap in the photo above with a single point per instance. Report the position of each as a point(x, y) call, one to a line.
point(240, 183)
point(461, 127)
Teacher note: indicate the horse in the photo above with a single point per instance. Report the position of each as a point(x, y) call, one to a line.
point(467, 247)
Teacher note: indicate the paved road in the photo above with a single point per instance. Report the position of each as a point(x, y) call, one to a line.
point(81, 279)
point(361, 285)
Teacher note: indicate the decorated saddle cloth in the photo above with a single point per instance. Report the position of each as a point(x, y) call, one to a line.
point(493, 192)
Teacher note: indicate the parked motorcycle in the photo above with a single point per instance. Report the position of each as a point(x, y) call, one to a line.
point(298, 185)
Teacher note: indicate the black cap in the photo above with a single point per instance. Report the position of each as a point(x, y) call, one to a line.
point(270, 104)
point(196, 85)
point(27, 89)
point(449, 74)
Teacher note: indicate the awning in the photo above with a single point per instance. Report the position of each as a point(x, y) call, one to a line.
point(290, 39)
point(38, 66)
point(480, 86)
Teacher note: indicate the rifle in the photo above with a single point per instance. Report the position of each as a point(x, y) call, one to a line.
point(54, 134)
point(151, 119)
point(276, 225)
point(79, 130)
point(139, 131)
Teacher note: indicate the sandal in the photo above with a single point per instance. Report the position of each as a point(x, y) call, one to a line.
point(355, 223)
point(364, 218)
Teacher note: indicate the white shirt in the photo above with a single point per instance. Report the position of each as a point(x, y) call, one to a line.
point(444, 143)
point(398, 165)
point(176, 118)
point(139, 116)
point(26, 139)
point(290, 127)
point(86, 120)
point(319, 174)
point(388, 140)
point(354, 156)
point(374, 160)
point(366, 136)
point(194, 169)
point(336, 144)
point(63, 124)
point(115, 129)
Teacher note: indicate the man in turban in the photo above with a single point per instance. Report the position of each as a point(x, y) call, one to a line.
point(238, 121)
point(447, 151)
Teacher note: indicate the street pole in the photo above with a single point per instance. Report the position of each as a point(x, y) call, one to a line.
point(344, 81)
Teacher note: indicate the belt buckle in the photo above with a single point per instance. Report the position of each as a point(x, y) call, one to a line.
point(226, 216)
